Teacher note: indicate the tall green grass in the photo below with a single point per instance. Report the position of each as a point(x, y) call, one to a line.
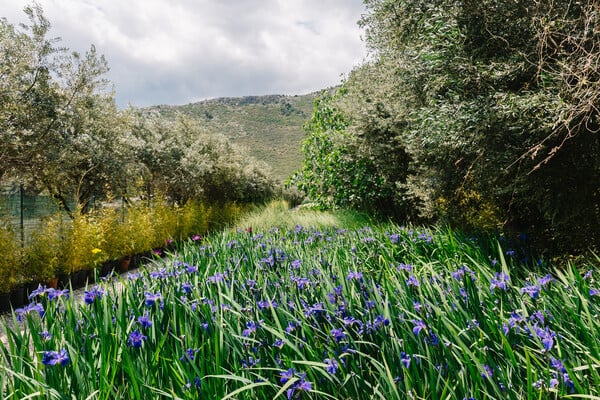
point(382, 312)
point(277, 214)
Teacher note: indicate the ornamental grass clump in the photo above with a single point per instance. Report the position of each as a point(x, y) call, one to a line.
point(385, 312)
point(42, 254)
point(82, 242)
point(11, 252)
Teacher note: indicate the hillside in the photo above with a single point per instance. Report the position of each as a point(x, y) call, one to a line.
point(269, 127)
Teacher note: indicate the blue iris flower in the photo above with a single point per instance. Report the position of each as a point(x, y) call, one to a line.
point(89, 296)
point(60, 357)
point(136, 338)
point(151, 298)
point(332, 365)
point(145, 321)
point(532, 290)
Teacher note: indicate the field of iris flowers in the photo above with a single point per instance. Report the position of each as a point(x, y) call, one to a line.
point(382, 312)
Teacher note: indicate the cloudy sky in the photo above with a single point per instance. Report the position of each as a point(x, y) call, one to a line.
point(181, 51)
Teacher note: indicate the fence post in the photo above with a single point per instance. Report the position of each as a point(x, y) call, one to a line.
point(22, 223)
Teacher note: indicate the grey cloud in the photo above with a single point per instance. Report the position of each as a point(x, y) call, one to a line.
point(179, 51)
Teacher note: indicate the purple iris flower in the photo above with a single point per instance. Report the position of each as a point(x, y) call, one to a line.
point(30, 308)
point(545, 280)
point(55, 357)
point(191, 269)
point(136, 338)
point(145, 321)
point(189, 354)
point(250, 328)
point(499, 281)
point(405, 267)
point(152, 298)
point(532, 290)
point(354, 275)
point(568, 382)
point(56, 293)
point(303, 283)
point(557, 365)
point(304, 385)
point(405, 359)
point(90, 296)
point(419, 326)
point(338, 334)
point(290, 327)
point(413, 281)
point(45, 335)
point(251, 362)
point(458, 274)
point(332, 365)
point(546, 336)
point(266, 304)
point(417, 306)
point(487, 372)
point(315, 309)
point(187, 287)
point(40, 291)
point(287, 375)
point(161, 273)
point(216, 278)
point(380, 320)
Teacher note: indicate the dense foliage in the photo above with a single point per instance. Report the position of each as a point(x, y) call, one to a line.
point(185, 162)
point(62, 133)
point(386, 312)
point(484, 113)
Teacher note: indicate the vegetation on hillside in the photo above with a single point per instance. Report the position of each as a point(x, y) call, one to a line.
point(267, 127)
point(480, 113)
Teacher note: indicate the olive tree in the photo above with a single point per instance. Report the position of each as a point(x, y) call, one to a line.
point(479, 112)
point(182, 161)
point(61, 130)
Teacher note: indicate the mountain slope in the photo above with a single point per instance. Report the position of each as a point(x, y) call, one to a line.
point(269, 127)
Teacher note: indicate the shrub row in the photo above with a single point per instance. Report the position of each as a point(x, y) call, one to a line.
point(61, 246)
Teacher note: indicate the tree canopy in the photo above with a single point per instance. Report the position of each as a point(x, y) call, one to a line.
point(480, 113)
point(62, 133)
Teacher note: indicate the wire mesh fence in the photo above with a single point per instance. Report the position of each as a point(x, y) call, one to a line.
point(23, 211)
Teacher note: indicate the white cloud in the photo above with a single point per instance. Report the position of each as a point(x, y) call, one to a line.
point(179, 51)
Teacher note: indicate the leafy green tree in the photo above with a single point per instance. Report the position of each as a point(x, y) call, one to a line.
point(61, 130)
point(183, 161)
point(480, 112)
point(28, 97)
point(339, 170)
